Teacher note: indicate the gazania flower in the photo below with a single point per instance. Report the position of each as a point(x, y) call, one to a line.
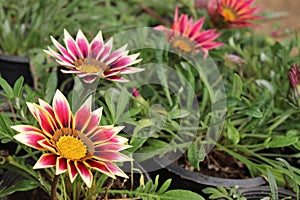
point(232, 13)
point(294, 77)
point(74, 143)
point(187, 36)
point(95, 59)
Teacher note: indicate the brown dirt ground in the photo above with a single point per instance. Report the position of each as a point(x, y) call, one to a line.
point(283, 17)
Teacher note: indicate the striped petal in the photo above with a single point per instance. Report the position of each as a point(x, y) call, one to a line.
point(72, 171)
point(31, 139)
point(115, 169)
point(83, 115)
point(26, 128)
point(82, 43)
point(62, 50)
point(45, 161)
point(106, 51)
point(111, 146)
point(85, 173)
point(62, 110)
point(47, 145)
point(96, 46)
point(61, 165)
point(102, 134)
point(45, 120)
point(71, 46)
point(100, 166)
point(94, 120)
point(111, 156)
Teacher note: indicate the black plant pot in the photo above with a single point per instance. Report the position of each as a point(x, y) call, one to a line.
point(264, 191)
point(195, 181)
point(12, 67)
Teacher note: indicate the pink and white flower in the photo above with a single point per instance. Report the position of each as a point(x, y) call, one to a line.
point(187, 36)
point(95, 59)
point(73, 143)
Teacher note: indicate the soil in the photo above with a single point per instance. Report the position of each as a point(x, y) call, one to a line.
point(218, 164)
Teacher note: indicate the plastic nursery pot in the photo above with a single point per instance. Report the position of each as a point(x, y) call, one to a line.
point(195, 181)
point(12, 67)
point(264, 191)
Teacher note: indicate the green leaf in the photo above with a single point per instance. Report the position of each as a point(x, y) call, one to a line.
point(196, 154)
point(254, 112)
point(181, 194)
point(215, 193)
point(282, 141)
point(273, 185)
point(18, 87)
point(122, 103)
point(22, 185)
point(233, 134)
point(51, 86)
point(237, 88)
point(164, 187)
point(9, 93)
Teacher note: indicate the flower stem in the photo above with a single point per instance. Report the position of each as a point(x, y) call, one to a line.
point(53, 187)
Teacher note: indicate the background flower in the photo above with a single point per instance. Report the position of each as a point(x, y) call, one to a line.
point(74, 143)
point(187, 36)
point(232, 13)
point(95, 59)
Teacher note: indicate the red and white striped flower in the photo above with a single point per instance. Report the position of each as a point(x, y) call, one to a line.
point(73, 143)
point(233, 13)
point(187, 36)
point(95, 59)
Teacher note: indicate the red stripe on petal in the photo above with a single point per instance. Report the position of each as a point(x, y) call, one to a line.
point(94, 121)
point(83, 115)
point(115, 169)
point(26, 128)
point(45, 161)
point(61, 165)
point(111, 156)
point(71, 45)
point(62, 109)
point(46, 122)
point(99, 166)
point(102, 135)
point(31, 139)
point(82, 43)
point(72, 171)
point(85, 173)
point(47, 145)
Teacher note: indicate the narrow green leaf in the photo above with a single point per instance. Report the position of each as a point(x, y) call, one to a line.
point(9, 93)
point(164, 187)
point(273, 185)
point(233, 134)
point(18, 87)
point(181, 194)
point(196, 154)
point(237, 88)
point(22, 185)
point(122, 103)
point(254, 112)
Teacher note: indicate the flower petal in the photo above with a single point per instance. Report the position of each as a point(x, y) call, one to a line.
point(45, 161)
point(61, 165)
point(47, 145)
point(94, 121)
point(99, 166)
point(26, 128)
point(111, 156)
point(96, 46)
point(71, 46)
point(102, 134)
point(115, 169)
point(62, 110)
point(72, 171)
point(82, 43)
point(83, 115)
point(31, 139)
point(85, 173)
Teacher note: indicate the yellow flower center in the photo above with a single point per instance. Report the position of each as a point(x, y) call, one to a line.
point(229, 14)
point(90, 65)
point(183, 44)
point(71, 148)
point(71, 144)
